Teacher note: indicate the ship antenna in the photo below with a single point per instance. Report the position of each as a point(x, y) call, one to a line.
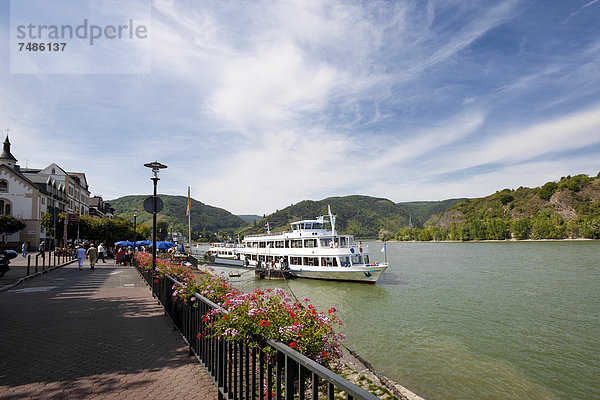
point(331, 220)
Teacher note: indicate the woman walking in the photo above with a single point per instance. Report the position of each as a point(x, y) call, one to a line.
point(80, 256)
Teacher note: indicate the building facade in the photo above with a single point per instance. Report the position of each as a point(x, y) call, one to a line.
point(28, 194)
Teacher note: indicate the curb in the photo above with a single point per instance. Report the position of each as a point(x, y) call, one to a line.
point(12, 285)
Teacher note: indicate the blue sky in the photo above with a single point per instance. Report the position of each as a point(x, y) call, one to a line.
point(258, 105)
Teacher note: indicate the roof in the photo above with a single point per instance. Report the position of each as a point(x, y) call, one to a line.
point(6, 154)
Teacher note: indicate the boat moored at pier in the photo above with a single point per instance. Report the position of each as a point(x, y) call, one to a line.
point(310, 250)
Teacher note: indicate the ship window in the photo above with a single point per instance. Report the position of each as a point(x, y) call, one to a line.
point(345, 261)
point(296, 260)
point(310, 243)
point(279, 244)
point(317, 226)
point(307, 225)
point(296, 243)
point(287, 244)
point(328, 261)
point(357, 259)
point(325, 242)
point(262, 245)
point(311, 261)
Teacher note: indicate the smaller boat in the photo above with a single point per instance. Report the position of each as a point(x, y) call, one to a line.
point(234, 274)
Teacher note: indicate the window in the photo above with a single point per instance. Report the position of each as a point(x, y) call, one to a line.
point(3, 186)
point(311, 261)
point(310, 243)
point(357, 259)
point(43, 200)
point(325, 242)
point(1, 206)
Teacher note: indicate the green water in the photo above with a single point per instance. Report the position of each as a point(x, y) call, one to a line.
point(475, 320)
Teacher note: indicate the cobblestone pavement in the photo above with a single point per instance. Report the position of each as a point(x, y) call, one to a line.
point(72, 334)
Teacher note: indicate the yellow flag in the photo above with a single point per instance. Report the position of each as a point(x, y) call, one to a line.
point(188, 203)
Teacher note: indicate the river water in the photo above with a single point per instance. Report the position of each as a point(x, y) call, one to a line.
point(514, 320)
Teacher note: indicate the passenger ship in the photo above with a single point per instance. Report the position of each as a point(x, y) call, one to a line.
point(308, 251)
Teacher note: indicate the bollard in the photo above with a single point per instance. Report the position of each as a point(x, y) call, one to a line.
point(28, 263)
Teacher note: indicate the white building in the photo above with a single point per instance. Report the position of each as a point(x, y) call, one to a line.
point(28, 194)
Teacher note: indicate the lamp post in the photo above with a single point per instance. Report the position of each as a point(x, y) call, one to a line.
point(155, 166)
point(134, 230)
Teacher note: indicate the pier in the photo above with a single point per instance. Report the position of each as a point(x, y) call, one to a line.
point(259, 272)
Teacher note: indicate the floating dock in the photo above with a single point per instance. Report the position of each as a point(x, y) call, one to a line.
point(259, 272)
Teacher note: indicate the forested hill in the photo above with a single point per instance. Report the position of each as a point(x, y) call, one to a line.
point(362, 216)
point(567, 208)
point(202, 216)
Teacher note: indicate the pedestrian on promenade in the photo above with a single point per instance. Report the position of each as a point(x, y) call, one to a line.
point(42, 247)
point(92, 254)
point(101, 253)
point(80, 252)
point(24, 249)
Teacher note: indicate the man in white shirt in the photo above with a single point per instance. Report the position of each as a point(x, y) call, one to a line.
point(101, 253)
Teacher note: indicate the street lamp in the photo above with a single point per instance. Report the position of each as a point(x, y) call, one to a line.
point(134, 229)
point(155, 166)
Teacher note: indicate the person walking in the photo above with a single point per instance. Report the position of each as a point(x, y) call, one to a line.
point(42, 247)
point(92, 254)
point(24, 249)
point(80, 252)
point(101, 253)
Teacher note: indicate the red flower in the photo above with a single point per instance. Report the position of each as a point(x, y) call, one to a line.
point(324, 354)
point(293, 345)
point(264, 323)
point(292, 315)
point(199, 335)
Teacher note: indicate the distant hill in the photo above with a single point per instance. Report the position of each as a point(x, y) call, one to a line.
point(250, 218)
point(361, 216)
point(569, 198)
point(567, 208)
point(202, 216)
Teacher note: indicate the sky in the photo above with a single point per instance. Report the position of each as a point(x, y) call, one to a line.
point(257, 105)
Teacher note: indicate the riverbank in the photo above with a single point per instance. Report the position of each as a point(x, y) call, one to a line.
point(492, 241)
point(361, 373)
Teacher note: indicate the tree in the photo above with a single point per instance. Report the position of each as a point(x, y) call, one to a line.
point(385, 235)
point(548, 190)
point(10, 224)
point(521, 228)
point(162, 230)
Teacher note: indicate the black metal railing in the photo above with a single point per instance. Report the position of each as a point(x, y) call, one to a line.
point(53, 259)
point(242, 372)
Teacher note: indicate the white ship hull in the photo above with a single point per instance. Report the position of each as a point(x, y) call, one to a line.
point(356, 274)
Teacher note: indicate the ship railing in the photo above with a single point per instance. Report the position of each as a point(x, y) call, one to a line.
point(244, 372)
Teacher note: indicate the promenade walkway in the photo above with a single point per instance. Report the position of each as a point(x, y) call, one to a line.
point(71, 334)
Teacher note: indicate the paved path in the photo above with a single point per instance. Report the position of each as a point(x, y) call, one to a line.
point(72, 334)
